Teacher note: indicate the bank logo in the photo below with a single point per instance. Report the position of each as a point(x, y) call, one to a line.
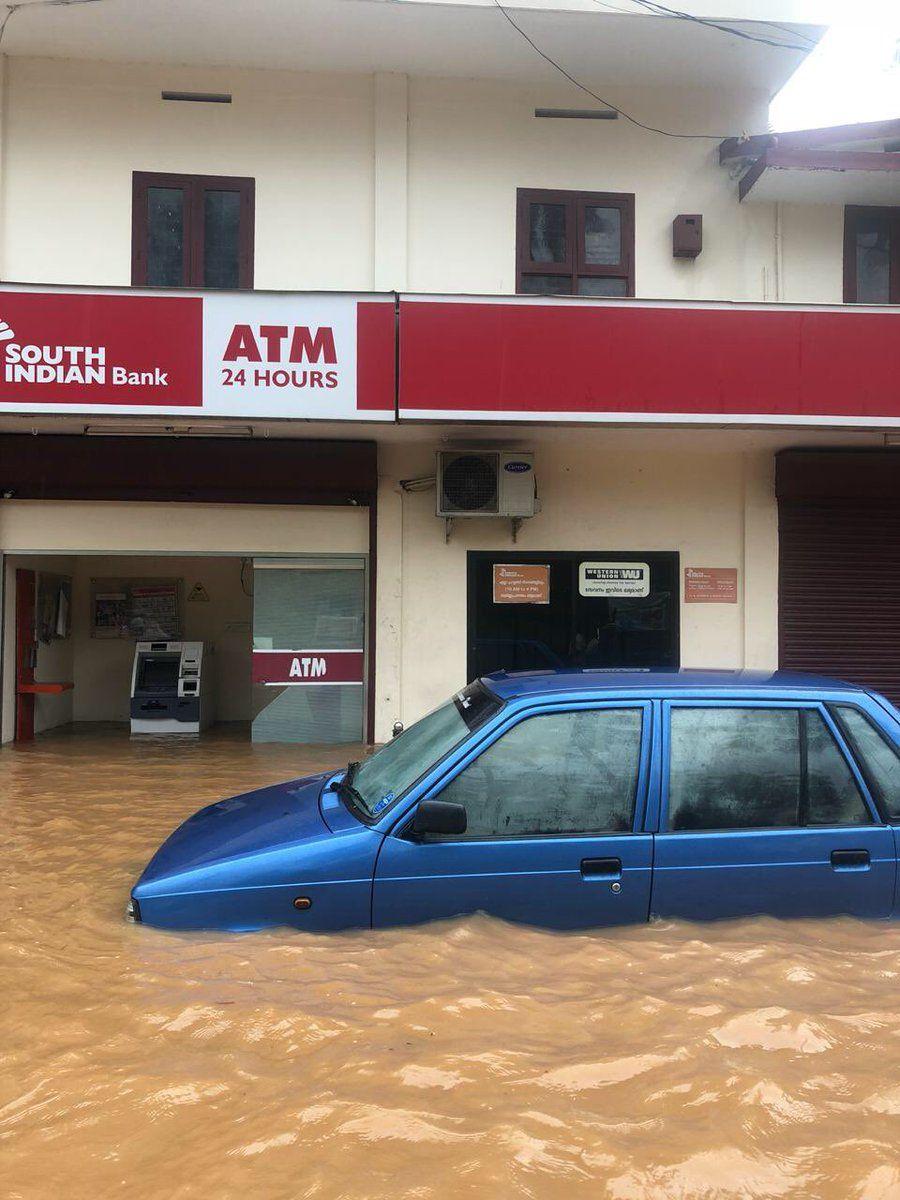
point(28, 363)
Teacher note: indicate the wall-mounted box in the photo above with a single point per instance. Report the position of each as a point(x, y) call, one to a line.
point(687, 235)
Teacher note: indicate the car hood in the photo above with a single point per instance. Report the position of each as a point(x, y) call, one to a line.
point(254, 823)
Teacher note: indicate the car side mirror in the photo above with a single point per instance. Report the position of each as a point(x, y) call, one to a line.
point(439, 816)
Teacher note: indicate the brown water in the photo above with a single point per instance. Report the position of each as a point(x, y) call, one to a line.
point(468, 1059)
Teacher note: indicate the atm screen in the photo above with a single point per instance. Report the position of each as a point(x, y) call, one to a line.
point(159, 672)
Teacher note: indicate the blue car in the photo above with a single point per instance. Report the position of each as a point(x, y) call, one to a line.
point(569, 800)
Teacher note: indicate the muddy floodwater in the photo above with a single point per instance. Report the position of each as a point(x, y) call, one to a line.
point(472, 1058)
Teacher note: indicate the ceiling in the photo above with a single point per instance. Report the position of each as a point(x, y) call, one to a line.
point(592, 39)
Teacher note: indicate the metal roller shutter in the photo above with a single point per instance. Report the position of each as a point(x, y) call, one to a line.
point(839, 566)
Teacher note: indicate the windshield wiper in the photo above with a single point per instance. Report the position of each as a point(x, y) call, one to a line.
point(347, 792)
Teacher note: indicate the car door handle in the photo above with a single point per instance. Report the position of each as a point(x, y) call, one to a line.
point(850, 860)
point(601, 868)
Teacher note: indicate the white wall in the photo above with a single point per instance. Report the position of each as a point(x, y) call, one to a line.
point(365, 180)
point(707, 494)
point(812, 255)
point(103, 666)
point(76, 131)
point(473, 144)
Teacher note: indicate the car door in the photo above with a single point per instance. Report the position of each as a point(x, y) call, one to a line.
point(763, 811)
point(554, 806)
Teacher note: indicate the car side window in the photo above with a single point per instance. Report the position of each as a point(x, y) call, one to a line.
point(566, 772)
point(833, 795)
point(758, 768)
point(877, 755)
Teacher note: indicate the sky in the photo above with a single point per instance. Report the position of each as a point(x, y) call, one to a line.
point(852, 75)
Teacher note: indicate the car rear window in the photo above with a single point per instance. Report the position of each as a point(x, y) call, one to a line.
point(876, 755)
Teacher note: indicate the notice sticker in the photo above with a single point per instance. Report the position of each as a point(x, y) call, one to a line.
point(521, 583)
point(710, 585)
point(614, 579)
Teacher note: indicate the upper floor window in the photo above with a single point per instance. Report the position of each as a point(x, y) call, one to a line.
point(574, 243)
point(191, 231)
point(871, 255)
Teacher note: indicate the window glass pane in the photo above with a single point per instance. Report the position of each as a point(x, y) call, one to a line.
point(734, 768)
point(602, 235)
point(873, 260)
point(877, 755)
point(547, 285)
point(547, 238)
point(221, 229)
point(165, 237)
point(602, 285)
point(834, 798)
point(573, 772)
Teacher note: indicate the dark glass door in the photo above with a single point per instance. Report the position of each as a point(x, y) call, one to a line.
point(606, 610)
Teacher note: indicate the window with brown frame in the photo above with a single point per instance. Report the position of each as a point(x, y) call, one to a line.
point(871, 255)
point(191, 231)
point(574, 243)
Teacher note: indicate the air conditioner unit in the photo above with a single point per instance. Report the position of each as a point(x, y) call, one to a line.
point(485, 483)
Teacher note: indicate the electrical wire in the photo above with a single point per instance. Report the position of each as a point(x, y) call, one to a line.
point(676, 14)
point(14, 8)
point(661, 10)
point(712, 137)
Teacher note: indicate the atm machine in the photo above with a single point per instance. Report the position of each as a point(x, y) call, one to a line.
point(171, 689)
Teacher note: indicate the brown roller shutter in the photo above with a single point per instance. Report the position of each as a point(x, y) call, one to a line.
point(839, 566)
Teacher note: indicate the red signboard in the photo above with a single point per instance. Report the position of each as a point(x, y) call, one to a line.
point(227, 354)
point(710, 585)
point(522, 359)
point(292, 668)
point(76, 348)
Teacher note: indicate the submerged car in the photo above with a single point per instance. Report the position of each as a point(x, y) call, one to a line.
point(568, 800)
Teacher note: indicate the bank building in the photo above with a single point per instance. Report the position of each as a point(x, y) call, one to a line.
point(362, 352)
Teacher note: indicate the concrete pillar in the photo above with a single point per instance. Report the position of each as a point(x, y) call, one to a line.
point(760, 566)
point(391, 104)
point(389, 600)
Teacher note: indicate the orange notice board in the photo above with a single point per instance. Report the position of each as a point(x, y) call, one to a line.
point(710, 585)
point(521, 583)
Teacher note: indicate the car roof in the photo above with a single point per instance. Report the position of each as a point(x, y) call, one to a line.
point(509, 685)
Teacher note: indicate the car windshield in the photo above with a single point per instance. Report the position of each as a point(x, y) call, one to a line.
point(384, 777)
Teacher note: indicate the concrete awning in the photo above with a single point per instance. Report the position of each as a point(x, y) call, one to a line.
point(845, 164)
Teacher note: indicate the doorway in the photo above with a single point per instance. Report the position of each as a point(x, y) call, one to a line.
point(309, 649)
point(598, 609)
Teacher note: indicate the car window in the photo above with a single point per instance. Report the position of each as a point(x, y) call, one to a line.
point(834, 797)
point(566, 772)
point(878, 757)
point(758, 768)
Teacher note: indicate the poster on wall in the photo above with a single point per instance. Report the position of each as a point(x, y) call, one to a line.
point(609, 579)
point(710, 585)
point(521, 583)
point(142, 609)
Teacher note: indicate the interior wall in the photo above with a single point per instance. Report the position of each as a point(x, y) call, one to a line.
point(103, 666)
point(55, 662)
